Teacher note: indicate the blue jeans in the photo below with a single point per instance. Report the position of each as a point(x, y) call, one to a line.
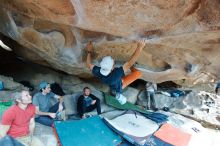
point(150, 99)
point(9, 141)
point(47, 120)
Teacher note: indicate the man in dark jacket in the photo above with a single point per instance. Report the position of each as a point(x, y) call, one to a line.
point(87, 103)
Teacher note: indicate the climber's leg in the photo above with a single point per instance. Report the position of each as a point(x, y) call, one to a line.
point(128, 79)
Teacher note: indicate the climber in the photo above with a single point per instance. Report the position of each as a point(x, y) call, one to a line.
point(115, 76)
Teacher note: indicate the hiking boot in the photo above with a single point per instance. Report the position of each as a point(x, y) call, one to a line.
point(121, 99)
point(154, 109)
point(88, 116)
point(63, 115)
point(147, 108)
point(112, 92)
point(58, 116)
point(166, 109)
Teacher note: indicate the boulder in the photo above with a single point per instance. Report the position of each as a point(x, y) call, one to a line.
point(131, 94)
point(45, 134)
point(10, 84)
point(162, 100)
point(182, 37)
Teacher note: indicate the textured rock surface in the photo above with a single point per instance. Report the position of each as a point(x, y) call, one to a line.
point(131, 94)
point(73, 86)
point(201, 106)
point(10, 84)
point(45, 134)
point(184, 44)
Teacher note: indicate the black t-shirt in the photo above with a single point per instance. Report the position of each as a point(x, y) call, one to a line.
point(113, 79)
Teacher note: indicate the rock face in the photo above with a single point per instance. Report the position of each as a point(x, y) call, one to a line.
point(183, 35)
point(10, 84)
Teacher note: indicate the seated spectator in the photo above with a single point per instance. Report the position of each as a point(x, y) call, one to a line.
point(46, 114)
point(87, 103)
point(18, 122)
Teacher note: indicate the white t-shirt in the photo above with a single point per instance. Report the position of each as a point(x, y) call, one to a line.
point(152, 88)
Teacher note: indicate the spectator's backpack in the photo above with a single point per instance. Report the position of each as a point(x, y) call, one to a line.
point(56, 89)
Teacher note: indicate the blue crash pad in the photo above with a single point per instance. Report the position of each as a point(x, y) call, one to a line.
point(87, 132)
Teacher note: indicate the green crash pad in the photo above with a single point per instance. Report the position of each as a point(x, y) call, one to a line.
point(87, 132)
point(112, 101)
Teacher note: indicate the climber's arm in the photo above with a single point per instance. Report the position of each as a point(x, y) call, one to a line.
point(88, 59)
point(134, 56)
